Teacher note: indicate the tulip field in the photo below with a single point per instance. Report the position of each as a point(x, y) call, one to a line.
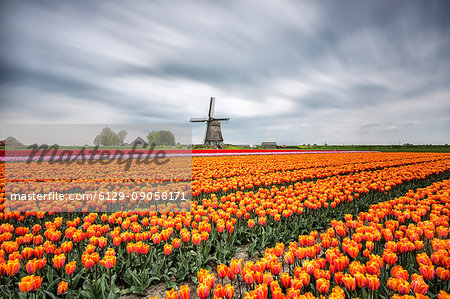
point(318, 225)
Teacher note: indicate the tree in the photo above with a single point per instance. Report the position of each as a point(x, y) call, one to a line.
point(107, 137)
point(122, 134)
point(161, 138)
point(167, 138)
point(11, 141)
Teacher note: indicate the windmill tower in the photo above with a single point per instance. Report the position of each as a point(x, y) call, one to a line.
point(213, 134)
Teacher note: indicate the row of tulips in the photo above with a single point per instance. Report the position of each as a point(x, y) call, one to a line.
point(397, 249)
point(371, 179)
point(172, 245)
point(36, 177)
point(262, 175)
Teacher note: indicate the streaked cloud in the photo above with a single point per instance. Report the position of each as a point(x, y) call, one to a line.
point(292, 72)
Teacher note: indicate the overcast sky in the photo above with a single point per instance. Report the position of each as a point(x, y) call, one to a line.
point(352, 72)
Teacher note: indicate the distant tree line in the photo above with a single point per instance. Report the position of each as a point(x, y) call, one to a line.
point(108, 137)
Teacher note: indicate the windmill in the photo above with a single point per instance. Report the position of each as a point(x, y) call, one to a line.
point(213, 134)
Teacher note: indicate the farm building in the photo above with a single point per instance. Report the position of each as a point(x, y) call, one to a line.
point(268, 145)
point(139, 141)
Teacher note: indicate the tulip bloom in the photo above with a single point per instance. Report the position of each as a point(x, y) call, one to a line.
point(59, 261)
point(62, 287)
point(390, 257)
point(172, 294)
point(196, 239)
point(220, 226)
point(219, 291)
point(323, 285)
point(30, 283)
point(399, 272)
point(286, 280)
point(228, 291)
point(419, 287)
point(167, 249)
point(289, 258)
point(176, 243)
point(31, 266)
point(372, 282)
point(443, 274)
point(427, 271)
point(275, 268)
point(251, 223)
point(248, 277)
point(349, 282)
point(236, 266)
point(156, 238)
point(12, 267)
point(108, 261)
point(360, 279)
point(353, 251)
point(70, 267)
point(403, 287)
point(202, 291)
point(184, 292)
point(222, 271)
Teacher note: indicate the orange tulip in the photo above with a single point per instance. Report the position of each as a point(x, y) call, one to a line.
point(196, 239)
point(172, 294)
point(184, 292)
point(222, 271)
point(12, 267)
point(399, 272)
point(443, 295)
point(228, 291)
point(403, 287)
point(360, 279)
point(323, 285)
point(202, 291)
point(427, 271)
point(390, 257)
point(289, 258)
point(167, 249)
point(286, 280)
point(419, 287)
point(443, 274)
point(59, 261)
point(248, 277)
point(275, 268)
point(176, 243)
point(220, 226)
point(372, 282)
point(251, 223)
point(30, 283)
point(108, 261)
point(349, 282)
point(70, 267)
point(31, 266)
point(236, 266)
point(62, 287)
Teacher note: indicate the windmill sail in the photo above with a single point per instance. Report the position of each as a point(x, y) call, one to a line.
point(212, 103)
